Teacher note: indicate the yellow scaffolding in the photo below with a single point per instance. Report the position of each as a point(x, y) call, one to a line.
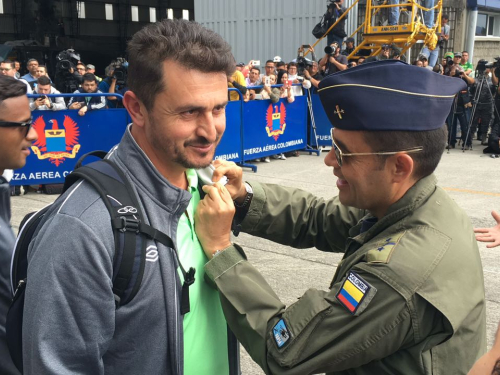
point(402, 35)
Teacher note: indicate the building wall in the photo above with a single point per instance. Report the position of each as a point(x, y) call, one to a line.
point(262, 29)
point(487, 49)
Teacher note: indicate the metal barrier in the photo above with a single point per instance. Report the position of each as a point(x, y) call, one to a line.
point(254, 130)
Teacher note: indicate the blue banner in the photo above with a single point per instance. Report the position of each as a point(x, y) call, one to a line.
point(270, 129)
point(63, 137)
point(229, 147)
point(323, 125)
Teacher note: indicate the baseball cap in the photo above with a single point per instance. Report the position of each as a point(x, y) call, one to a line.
point(349, 40)
point(277, 59)
point(90, 66)
point(240, 64)
point(458, 54)
point(449, 54)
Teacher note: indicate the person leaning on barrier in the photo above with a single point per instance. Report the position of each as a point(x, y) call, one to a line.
point(16, 137)
point(253, 78)
point(177, 102)
point(312, 74)
point(285, 90)
point(7, 68)
point(272, 93)
point(237, 81)
point(397, 304)
point(44, 103)
point(85, 103)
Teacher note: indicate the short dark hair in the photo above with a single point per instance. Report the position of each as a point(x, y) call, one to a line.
point(89, 77)
point(189, 43)
point(80, 63)
point(269, 61)
point(12, 63)
point(255, 68)
point(465, 52)
point(426, 161)
point(445, 16)
point(43, 80)
point(11, 88)
point(280, 63)
point(30, 60)
point(292, 64)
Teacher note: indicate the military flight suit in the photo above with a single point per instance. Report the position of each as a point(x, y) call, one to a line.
point(422, 309)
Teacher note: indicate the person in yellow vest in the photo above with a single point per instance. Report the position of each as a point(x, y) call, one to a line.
point(237, 81)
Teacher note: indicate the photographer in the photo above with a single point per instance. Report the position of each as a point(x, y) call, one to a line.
point(115, 82)
point(460, 111)
point(298, 77)
point(44, 103)
point(333, 61)
point(333, 13)
point(312, 74)
point(84, 104)
point(67, 79)
point(349, 47)
point(484, 106)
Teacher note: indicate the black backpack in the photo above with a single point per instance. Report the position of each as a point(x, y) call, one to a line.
point(130, 233)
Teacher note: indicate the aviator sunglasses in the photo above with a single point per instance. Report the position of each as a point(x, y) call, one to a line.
point(9, 124)
point(339, 154)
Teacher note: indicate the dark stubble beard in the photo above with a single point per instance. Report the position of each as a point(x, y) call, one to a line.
point(161, 142)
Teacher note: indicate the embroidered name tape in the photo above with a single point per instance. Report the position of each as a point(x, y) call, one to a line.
point(281, 334)
point(355, 293)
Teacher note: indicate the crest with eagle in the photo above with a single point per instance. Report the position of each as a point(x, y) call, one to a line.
point(275, 121)
point(56, 144)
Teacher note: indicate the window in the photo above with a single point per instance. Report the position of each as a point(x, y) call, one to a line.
point(185, 14)
point(486, 25)
point(109, 11)
point(135, 13)
point(80, 7)
point(1, 6)
point(152, 14)
point(170, 13)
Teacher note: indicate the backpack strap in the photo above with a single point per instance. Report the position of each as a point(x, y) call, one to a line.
point(130, 230)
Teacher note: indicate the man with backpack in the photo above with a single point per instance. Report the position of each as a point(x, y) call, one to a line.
point(76, 319)
point(16, 137)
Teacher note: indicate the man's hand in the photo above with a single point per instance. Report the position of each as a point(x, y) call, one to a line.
point(40, 102)
point(75, 105)
point(234, 175)
point(83, 110)
point(213, 219)
point(490, 234)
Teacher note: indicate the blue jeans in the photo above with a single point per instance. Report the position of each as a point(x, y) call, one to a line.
point(432, 56)
point(429, 15)
point(393, 13)
point(464, 118)
point(331, 37)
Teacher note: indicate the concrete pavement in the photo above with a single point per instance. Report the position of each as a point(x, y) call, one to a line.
point(471, 178)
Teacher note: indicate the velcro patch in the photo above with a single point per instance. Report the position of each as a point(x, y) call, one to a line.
point(281, 334)
point(384, 249)
point(355, 293)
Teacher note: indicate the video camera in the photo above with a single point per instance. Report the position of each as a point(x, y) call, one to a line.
point(67, 60)
point(329, 50)
point(66, 79)
point(120, 67)
point(482, 65)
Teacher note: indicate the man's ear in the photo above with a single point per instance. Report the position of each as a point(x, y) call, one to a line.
point(135, 108)
point(402, 167)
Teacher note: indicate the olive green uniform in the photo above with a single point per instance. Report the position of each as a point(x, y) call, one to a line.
point(424, 312)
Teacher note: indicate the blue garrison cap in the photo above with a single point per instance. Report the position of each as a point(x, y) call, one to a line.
point(388, 95)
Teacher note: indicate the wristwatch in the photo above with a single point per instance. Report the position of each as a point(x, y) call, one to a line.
point(248, 197)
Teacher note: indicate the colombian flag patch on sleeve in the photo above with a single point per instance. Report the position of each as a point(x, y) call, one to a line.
point(355, 293)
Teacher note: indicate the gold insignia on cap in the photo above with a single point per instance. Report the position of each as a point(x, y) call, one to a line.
point(338, 111)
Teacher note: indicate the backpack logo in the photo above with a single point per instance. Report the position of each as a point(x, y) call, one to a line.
point(151, 253)
point(127, 210)
point(56, 144)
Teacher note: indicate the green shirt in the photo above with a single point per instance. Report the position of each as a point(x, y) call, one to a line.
point(205, 329)
point(468, 65)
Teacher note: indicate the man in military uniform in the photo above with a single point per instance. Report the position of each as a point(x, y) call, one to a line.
point(408, 296)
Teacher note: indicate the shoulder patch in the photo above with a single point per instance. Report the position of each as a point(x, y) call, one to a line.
point(382, 251)
point(355, 293)
point(281, 333)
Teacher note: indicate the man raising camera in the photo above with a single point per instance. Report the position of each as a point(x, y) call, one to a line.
point(333, 60)
point(333, 13)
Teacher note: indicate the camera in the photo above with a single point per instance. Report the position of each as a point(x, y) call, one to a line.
point(67, 60)
point(120, 66)
point(329, 50)
point(67, 81)
point(449, 61)
point(482, 65)
point(43, 97)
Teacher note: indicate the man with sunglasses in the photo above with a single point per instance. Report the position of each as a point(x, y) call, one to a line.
point(408, 296)
point(16, 137)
